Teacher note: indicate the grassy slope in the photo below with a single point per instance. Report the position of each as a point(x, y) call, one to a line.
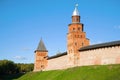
point(109, 72)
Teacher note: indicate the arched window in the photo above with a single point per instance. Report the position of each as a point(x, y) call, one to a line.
point(75, 44)
point(81, 36)
point(77, 19)
point(73, 29)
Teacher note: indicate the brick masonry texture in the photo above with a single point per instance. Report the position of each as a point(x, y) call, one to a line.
point(57, 63)
point(101, 54)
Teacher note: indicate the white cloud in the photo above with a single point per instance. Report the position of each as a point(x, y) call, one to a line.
point(20, 58)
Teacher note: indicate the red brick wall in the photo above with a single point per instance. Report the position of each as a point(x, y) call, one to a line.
point(40, 60)
point(57, 63)
point(76, 38)
point(101, 56)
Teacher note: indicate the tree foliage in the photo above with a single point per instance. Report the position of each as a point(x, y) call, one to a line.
point(9, 67)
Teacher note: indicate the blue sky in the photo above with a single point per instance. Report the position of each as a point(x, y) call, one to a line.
point(24, 22)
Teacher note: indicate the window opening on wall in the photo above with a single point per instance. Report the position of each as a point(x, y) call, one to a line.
point(75, 44)
point(82, 44)
point(81, 36)
point(74, 19)
point(77, 19)
point(73, 29)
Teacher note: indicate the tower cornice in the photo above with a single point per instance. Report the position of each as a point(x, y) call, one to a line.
point(75, 23)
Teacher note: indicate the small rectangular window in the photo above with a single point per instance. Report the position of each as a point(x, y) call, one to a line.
point(82, 44)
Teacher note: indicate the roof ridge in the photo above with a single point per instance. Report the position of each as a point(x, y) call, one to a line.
point(100, 45)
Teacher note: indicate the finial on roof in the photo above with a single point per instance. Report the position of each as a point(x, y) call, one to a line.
point(76, 12)
point(76, 5)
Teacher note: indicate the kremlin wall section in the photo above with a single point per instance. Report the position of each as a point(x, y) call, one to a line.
point(57, 63)
point(98, 56)
point(79, 52)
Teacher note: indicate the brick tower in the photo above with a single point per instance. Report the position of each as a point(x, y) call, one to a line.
point(40, 57)
point(76, 38)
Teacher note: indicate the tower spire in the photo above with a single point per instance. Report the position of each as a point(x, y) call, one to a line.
point(41, 46)
point(76, 12)
point(76, 15)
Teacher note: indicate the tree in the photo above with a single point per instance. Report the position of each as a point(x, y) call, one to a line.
point(9, 67)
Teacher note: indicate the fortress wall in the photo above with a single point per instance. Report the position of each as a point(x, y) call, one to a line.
point(100, 56)
point(57, 63)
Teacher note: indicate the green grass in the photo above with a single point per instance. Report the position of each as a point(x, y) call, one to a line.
point(105, 72)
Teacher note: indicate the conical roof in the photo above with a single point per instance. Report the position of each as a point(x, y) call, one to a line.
point(41, 46)
point(76, 12)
